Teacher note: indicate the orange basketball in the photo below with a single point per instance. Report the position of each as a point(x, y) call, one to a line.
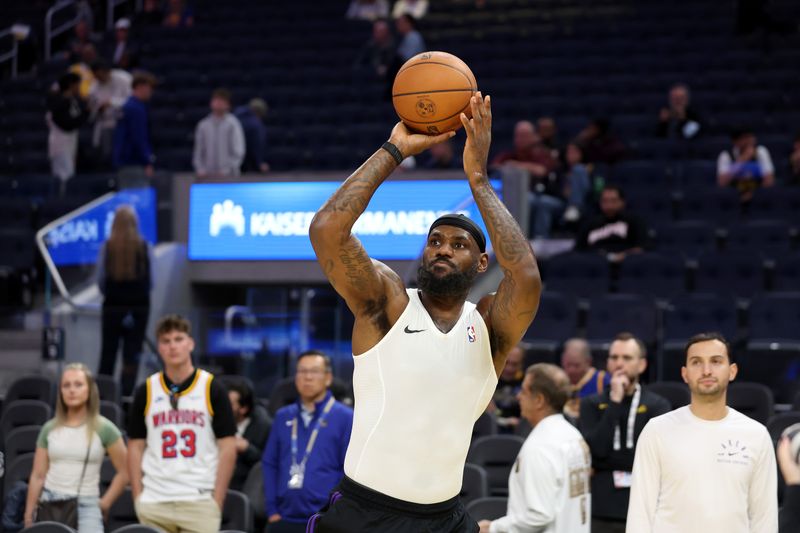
point(431, 90)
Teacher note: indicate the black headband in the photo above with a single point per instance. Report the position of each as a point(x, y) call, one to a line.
point(460, 221)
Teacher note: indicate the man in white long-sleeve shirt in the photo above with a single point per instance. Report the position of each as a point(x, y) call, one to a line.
point(219, 139)
point(548, 489)
point(704, 467)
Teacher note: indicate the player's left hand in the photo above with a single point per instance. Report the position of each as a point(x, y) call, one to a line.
point(479, 136)
point(484, 525)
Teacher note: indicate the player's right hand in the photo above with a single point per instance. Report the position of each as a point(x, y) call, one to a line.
point(410, 143)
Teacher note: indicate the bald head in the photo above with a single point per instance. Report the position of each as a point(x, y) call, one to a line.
point(576, 359)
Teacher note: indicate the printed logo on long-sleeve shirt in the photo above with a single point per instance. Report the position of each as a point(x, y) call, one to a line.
point(734, 452)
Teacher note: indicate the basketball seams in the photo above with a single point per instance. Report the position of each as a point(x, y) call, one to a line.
point(469, 81)
point(434, 92)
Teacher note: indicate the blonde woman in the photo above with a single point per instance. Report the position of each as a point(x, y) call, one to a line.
point(124, 268)
point(61, 452)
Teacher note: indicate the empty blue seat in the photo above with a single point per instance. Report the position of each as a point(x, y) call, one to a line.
point(651, 273)
point(686, 237)
point(786, 275)
point(769, 237)
point(613, 313)
point(556, 320)
point(721, 205)
point(577, 273)
point(736, 273)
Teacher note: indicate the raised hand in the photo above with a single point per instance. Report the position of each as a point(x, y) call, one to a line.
point(479, 136)
point(410, 143)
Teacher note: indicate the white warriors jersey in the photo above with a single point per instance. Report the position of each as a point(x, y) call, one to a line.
point(418, 393)
point(180, 460)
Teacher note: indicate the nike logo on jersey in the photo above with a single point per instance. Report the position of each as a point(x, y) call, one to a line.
point(412, 330)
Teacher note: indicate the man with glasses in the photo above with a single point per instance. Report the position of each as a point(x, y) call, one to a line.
point(304, 458)
point(182, 446)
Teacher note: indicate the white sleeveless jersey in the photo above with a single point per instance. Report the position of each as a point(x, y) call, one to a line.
point(180, 460)
point(418, 393)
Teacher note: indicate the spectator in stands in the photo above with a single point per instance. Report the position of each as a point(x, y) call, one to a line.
point(411, 41)
point(794, 162)
point(442, 156)
point(152, 13)
point(577, 182)
point(679, 120)
point(219, 145)
point(611, 422)
point(252, 117)
point(70, 451)
point(504, 404)
point(585, 379)
point(110, 91)
point(614, 232)
point(599, 143)
point(746, 166)
point(83, 68)
point(704, 466)
point(379, 52)
point(178, 15)
point(548, 489)
point(182, 445)
point(304, 459)
point(122, 53)
point(82, 37)
point(132, 148)
point(65, 114)
point(548, 133)
point(790, 513)
point(415, 8)
point(124, 277)
point(528, 153)
point(252, 429)
point(530, 159)
point(370, 10)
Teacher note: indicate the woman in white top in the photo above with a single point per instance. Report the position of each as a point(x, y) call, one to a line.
point(61, 451)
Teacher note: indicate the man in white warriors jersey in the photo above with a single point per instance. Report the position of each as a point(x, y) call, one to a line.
point(426, 360)
point(182, 448)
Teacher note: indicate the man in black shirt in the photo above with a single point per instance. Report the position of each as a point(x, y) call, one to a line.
point(252, 428)
point(611, 423)
point(614, 232)
point(182, 447)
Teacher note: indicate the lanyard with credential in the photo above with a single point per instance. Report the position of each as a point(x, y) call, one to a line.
point(631, 421)
point(314, 433)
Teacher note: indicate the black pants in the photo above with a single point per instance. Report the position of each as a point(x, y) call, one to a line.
point(354, 508)
point(131, 332)
point(607, 525)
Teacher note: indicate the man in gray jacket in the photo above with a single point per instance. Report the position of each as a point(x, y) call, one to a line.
point(219, 145)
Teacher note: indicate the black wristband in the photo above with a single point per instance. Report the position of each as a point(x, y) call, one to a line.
point(394, 151)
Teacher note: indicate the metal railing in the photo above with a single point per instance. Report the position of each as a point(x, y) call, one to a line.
point(13, 54)
point(51, 33)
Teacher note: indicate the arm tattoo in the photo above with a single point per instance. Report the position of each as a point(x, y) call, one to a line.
point(351, 199)
point(510, 245)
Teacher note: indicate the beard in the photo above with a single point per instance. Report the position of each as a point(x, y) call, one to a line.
point(456, 283)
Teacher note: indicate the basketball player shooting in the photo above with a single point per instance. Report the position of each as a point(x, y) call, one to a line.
point(426, 360)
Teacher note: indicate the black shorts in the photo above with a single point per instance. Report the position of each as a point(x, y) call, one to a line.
point(354, 508)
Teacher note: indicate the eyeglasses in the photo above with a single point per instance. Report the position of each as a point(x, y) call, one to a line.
point(173, 397)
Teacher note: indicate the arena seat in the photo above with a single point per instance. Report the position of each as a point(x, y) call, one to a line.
point(490, 508)
point(20, 441)
point(752, 399)
point(31, 388)
point(580, 274)
point(675, 392)
point(20, 413)
point(652, 274)
point(496, 454)
point(475, 484)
